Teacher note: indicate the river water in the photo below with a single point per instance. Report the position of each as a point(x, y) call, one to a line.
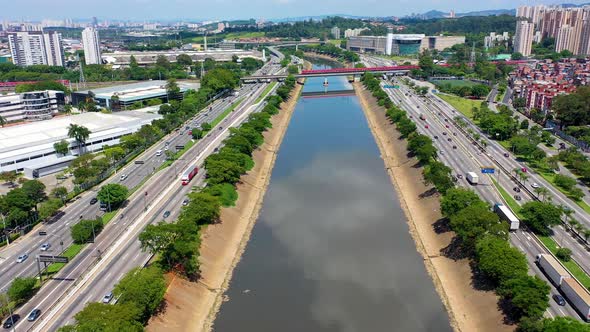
point(331, 250)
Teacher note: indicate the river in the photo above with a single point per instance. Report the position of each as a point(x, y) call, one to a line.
point(331, 250)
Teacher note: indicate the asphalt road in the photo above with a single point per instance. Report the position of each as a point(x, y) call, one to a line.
point(465, 158)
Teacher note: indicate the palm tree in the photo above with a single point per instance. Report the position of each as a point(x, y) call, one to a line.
point(567, 212)
point(80, 134)
point(586, 234)
point(523, 177)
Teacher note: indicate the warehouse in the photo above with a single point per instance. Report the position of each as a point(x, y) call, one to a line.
point(30, 145)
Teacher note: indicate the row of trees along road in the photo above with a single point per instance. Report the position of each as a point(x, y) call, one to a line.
point(480, 234)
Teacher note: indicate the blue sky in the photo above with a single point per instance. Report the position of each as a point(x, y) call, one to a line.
point(236, 9)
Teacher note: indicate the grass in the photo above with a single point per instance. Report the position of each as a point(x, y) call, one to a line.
point(454, 83)
point(510, 201)
point(252, 34)
point(572, 266)
point(70, 253)
point(108, 217)
point(265, 92)
point(226, 112)
point(461, 104)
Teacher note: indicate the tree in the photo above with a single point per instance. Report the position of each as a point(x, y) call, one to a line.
point(564, 254)
point(9, 176)
point(114, 154)
point(473, 222)
point(457, 199)
point(197, 133)
point(159, 238)
point(205, 126)
point(220, 171)
point(162, 62)
point(144, 288)
point(2, 121)
point(35, 190)
point(576, 194)
point(86, 230)
point(62, 147)
point(524, 124)
point(557, 324)
point(529, 295)
point(172, 89)
point(113, 194)
point(184, 60)
point(49, 208)
point(22, 289)
point(80, 134)
point(498, 260)
point(59, 192)
point(540, 216)
point(564, 181)
point(108, 318)
point(203, 209)
point(439, 175)
point(516, 56)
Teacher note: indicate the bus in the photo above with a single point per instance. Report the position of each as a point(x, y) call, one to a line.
point(189, 174)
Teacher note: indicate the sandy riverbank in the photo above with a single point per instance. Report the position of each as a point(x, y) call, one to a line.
point(469, 309)
point(193, 306)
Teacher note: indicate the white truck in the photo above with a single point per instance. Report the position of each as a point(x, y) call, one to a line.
point(472, 177)
point(506, 214)
point(578, 296)
point(551, 267)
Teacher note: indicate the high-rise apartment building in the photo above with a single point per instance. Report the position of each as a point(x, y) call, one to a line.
point(565, 39)
point(335, 32)
point(523, 38)
point(91, 43)
point(36, 48)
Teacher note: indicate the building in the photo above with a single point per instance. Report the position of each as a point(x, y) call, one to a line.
point(36, 105)
point(91, 43)
point(121, 97)
point(353, 32)
point(494, 39)
point(523, 38)
point(335, 31)
point(406, 44)
point(31, 145)
point(122, 59)
point(36, 48)
point(533, 13)
point(565, 40)
point(440, 43)
point(367, 44)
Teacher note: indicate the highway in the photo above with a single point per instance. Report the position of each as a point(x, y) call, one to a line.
point(60, 230)
point(464, 158)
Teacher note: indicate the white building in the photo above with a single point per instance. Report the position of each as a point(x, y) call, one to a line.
point(91, 43)
point(31, 145)
point(36, 48)
point(335, 32)
point(36, 105)
point(564, 40)
point(523, 38)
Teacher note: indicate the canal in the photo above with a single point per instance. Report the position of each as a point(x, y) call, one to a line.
point(331, 250)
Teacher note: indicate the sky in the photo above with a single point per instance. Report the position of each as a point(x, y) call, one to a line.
point(139, 10)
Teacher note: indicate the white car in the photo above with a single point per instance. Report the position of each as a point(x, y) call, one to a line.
point(22, 258)
point(107, 298)
point(45, 246)
point(123, 177)
point(535, 185)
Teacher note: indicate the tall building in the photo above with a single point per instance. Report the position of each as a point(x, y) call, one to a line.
point(523, 38)
point(36, 48)
point(335, 32)
point(565, 39)
point(91, 43)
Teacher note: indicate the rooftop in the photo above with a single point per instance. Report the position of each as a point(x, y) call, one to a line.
point(140, 90)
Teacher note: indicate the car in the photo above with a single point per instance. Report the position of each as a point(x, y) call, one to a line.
point(446, 120)
point(187, 127)
point(11, 321)
point(449, 139)
point(454, 134)
point(45, 246)
point(559, 299)
point(435, 136)
point(446, 126)
point(506, 154)
point(34, 314)
point(517, 197)
point(516, 189)
point(454, 147)
point(535, 185)
point(524, 170)
point(93, 200)
point(411, 117)
point(185, 202)
point(459, 176)
point(123, 177)
point(158, 153)
point(220, 127)
point(444, 133)
point(22, 258)
point(167, 143)
point(107, 298)
point(166, 214)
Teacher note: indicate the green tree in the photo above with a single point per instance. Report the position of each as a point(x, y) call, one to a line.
point(197, 133)
point(475, 221)
point(184, 60)
point(144, 288)
point(439, 175)
point(86, 230)
point(498, 260)
point(114, 154)
point(49, 208)
point(59, 192)
point(457, 199)
point(80, 134)
point(540, 216)
point(62, 147)
point(203, 209)
point(159, 238)
point(113, 194)
point(9, 176)
point(220, 171)
point(205, 126)
point(524, 124)
point(172, 89)
point(108, 318)
point(22, 289)
point(564, 181)
point(564, 254)
point(529, 295)
point(35, 190)
point(576, 194)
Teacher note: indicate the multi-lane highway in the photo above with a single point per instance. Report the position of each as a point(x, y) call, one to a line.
point(59, 231)
point(456, 151)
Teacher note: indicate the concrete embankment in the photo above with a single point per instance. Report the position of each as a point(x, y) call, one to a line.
point(469, 309)
point(192, 306)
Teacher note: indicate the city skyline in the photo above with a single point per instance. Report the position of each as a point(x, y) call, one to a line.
point(219, 9)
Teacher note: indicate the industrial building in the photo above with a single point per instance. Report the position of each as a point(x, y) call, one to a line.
point(32, 106)
point(30, 146)
point(121, 97)
point(401, 44)
point(122, 59)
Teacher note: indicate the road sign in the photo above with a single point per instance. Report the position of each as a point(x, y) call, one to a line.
point(488, 170)
point(387, 86)
point(52, 259)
